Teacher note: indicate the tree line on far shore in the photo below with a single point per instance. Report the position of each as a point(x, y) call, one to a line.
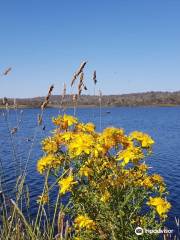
point(132, 99)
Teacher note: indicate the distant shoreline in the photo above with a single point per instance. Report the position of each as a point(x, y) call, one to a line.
point(151, 99)
point(90, 106)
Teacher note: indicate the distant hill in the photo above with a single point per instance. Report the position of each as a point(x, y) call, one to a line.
point(132, 99)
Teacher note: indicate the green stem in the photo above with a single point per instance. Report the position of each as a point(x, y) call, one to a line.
point(40, 206)
point(55, 211)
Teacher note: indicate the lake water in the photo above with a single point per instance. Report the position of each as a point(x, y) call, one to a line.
point(162, 123)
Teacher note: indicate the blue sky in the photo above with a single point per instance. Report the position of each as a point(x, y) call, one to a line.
point(134, 45)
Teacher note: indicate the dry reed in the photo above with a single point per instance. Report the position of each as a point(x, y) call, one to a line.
point(7, 71)
point(78, 72)
point(94, 77)
point(44, 104)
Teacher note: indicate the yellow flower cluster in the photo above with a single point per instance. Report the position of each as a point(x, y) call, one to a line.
point(131, 153)
point(162, 206)
point(80, 139)
point(84, 222)
point(140, 177)
point(145, 140)
point(153, 180)
point(80, 144)
point(64, 121)
point(88, 127)
point(111, 137)
point(50, 145)
point(105, 168)
point(66, 184)
point(48, 162)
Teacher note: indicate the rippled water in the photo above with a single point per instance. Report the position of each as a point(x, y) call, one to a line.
point(162, 123)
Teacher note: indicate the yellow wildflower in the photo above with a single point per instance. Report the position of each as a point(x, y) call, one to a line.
point(66, 184)
point(111, 136)
point(58, 137)
point(88, 127)
point(130, 154)
point(150, 181)
point(50, 145)
point(147, 183)
point(49, 161)
point(70, 119)
point(67, 136)
point(98, 150)
point(145, 139)
point(64, 121)
point(85, 171)
point(157, 178)
point(105, 197)
point(143, 167)
point(162, 206)
point(84, 222)
point(81, 143)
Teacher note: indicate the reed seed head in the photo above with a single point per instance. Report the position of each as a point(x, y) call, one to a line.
point(7, 71)
point(94, 77)
point(78, 72)
point(81, 68)
point(46, 101)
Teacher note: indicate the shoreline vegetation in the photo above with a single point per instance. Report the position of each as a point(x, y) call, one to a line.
point(148, 99)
